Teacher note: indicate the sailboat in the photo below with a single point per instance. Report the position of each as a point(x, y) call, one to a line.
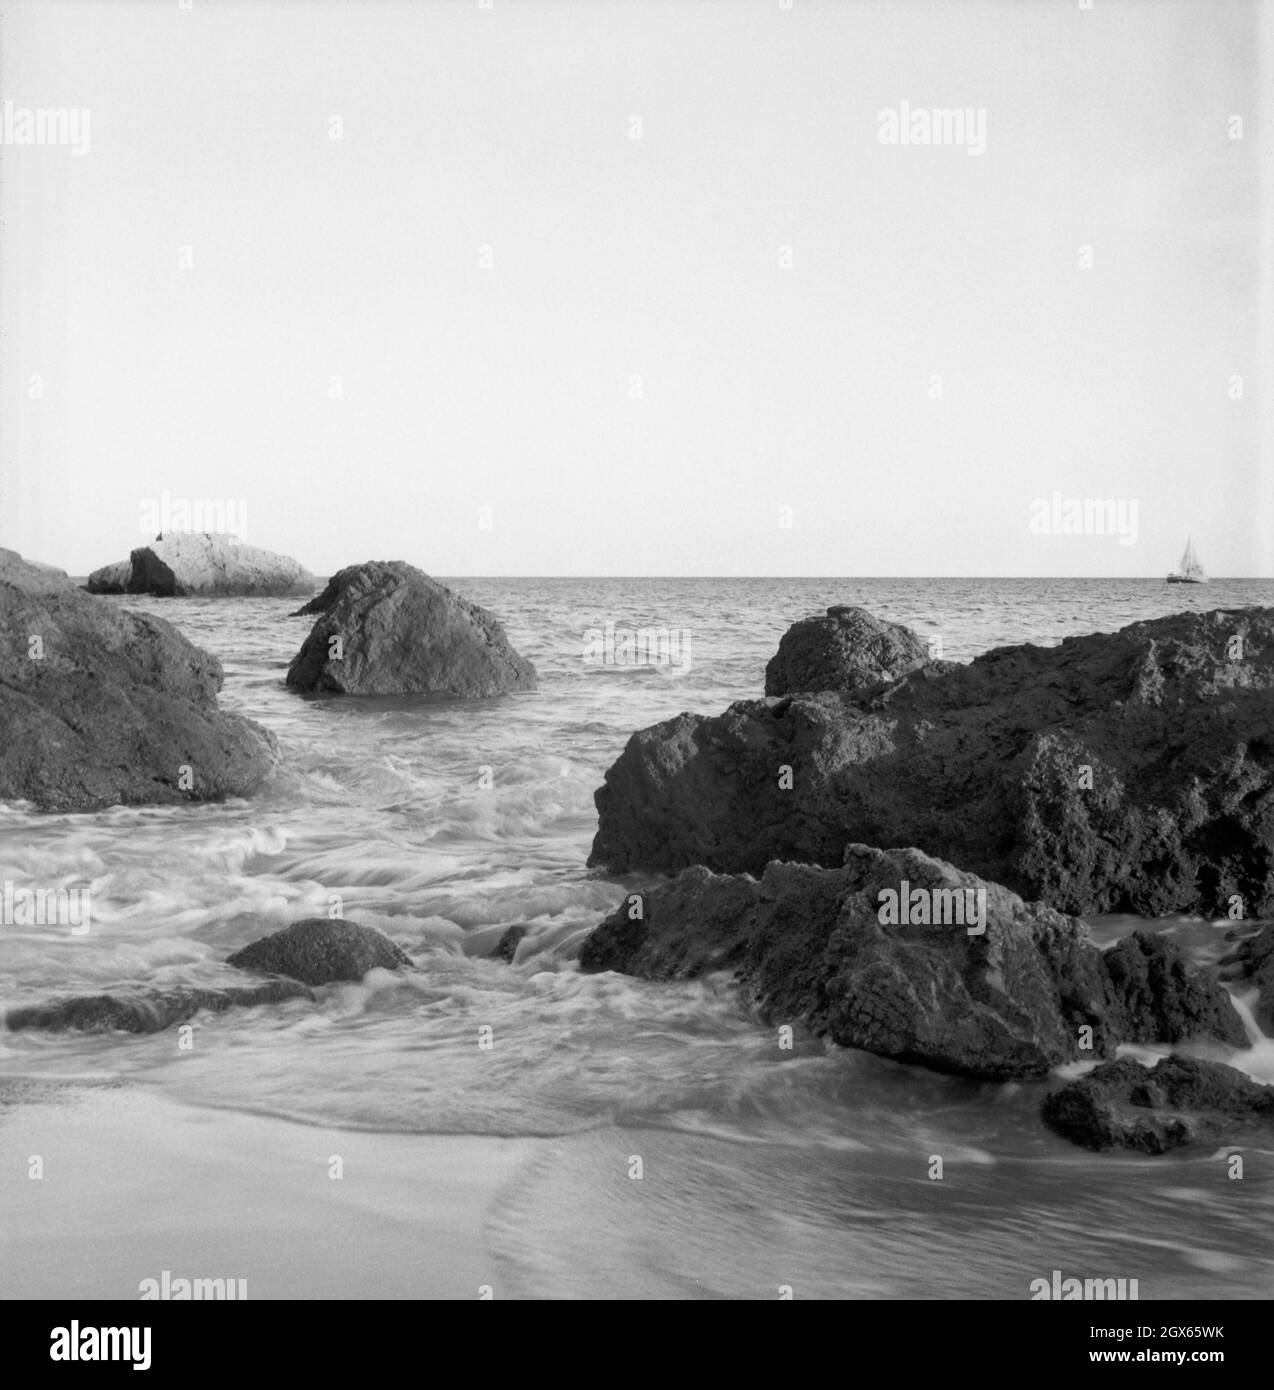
point(1190, 571)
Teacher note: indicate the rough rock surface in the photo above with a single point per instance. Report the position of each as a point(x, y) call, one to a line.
point(1163, 998)
point(401, 632)
point(807, 944)
point(115, 705)
point(848, 649)
point(1252, 963)
point(1123, 1105)
point(321, 951)
point(196, 564)
point(147, 1011)
point(1129, 771)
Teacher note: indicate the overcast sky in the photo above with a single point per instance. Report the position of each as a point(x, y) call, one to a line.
point(642, 281)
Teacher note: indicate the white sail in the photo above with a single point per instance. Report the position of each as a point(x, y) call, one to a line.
point(1190, 570)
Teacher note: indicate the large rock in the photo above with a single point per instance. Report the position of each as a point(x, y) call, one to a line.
point(387, 628)
point(100, 706)
point(147, 1011)
point(1251, 963)
point(321, 951)
point(198, 565)
point(807, 944)
point(1122, 772)
point(1123, 1105)
point(849, 649)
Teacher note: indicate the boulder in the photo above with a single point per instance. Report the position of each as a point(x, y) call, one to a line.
point(321, 951)
point(147, 1011)
point(401, 633)
point(101, 706)
point(198, 565)
point(849, 649)
point(1119, 772)
point(1162, 998)
point(1181, 1101)
point(808, 945)
point(110, 579)
point(1251, 963)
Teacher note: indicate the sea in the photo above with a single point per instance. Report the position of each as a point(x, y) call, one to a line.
point(682, 1150)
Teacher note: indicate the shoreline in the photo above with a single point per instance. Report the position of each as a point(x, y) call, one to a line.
point(135, 1184)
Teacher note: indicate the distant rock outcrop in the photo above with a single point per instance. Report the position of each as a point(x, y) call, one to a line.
point(321, 951)
point(198, 565)
point(1123, 1105)
point(1130, 771)
point(387, 628)
point(849, 650)
point(111, 579)
point(100, 706)
point(147, 1011)
point(1025, 993)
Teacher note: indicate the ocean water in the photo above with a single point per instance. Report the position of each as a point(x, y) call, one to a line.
point(445, 822)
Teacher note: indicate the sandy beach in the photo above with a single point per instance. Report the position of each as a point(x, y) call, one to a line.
point(134, 1185)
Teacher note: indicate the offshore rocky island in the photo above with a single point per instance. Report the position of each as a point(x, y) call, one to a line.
point(1123, 772)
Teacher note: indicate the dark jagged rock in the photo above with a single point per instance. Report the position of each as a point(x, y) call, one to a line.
point(387, 628)
point(200, 565)
point(100, 706)
point(1252, 963)
point(807, 944)
point(147, 1011)
point(849, 649)
point(1123, 1105)
point(321, 951)
point(507, 946)
point(1163, 998)
point(1122, 772)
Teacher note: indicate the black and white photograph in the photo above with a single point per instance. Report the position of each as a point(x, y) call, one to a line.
point(636, 661)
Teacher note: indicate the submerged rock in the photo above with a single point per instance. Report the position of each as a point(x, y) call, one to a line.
point(1027, 992)
point(147, 1011)
point(848, 649)
point(1123, 1105)
point(321, 951)
point(1252, 963)
point(199, 565)
point(100, 706)
point(387, 628)
point(1122, 772)
point(506, 948)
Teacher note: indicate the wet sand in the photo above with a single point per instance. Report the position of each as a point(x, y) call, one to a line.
point(134, 1185)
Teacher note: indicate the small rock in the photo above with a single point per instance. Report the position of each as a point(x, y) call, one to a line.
point(1123, 1105)
point(507, 946)
point(321, 951)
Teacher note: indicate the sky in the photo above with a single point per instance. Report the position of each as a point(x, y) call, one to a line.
point(528, 287)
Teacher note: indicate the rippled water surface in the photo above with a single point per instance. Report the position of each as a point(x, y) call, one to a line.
point(812, 1163)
